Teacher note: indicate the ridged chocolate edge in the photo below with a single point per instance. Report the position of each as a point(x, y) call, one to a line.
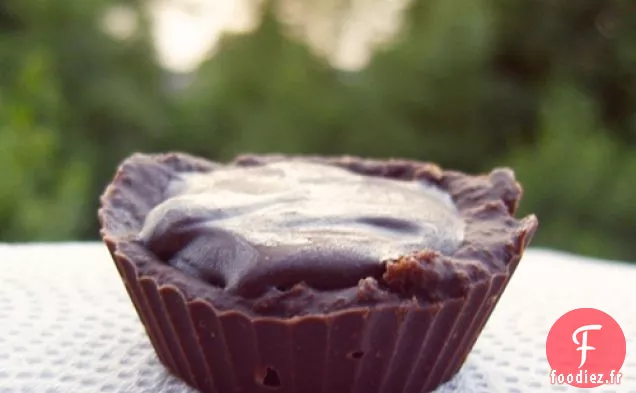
point(498, 285)
point(408, 349)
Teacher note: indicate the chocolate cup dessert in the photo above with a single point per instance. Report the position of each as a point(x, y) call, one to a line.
point(304, 274)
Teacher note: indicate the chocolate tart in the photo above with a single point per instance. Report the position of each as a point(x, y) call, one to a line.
point(304, 274)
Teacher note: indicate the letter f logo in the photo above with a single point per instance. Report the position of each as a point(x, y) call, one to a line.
point(584, 347)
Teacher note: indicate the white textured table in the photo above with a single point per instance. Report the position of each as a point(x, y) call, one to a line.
point(67, 326)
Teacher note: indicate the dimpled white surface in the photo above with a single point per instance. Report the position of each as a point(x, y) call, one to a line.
point(67, 326)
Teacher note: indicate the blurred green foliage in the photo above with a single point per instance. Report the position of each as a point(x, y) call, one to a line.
point(548, 88)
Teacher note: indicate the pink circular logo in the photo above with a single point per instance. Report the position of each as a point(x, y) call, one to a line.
point(586, 348)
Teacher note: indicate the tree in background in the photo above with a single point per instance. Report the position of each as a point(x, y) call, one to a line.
point(547, 87)
point(578, 177)
point(73, 102)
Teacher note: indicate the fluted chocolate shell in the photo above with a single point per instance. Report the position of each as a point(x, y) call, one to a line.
point(409, 330)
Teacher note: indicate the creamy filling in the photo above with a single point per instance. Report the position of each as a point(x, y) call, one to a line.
point(250, 228)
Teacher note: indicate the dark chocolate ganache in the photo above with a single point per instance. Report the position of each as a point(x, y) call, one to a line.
point(251, 229)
